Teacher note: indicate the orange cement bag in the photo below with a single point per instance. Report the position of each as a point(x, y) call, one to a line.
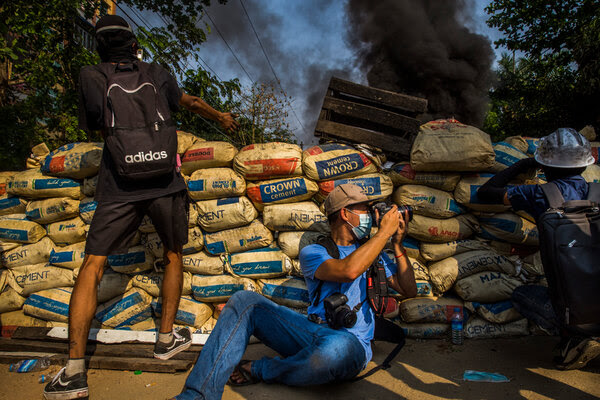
point(74, 160)
point(262, 161)
point(428, 201)
point(207, 155)
point(435, 230)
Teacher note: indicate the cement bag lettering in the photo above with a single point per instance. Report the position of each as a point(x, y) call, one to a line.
point(87, 208)
point(290, 190)
point(268, 161)
point(190, 312)
point(439, 251)
point(49, 305)
point(12, 205)
point(424, 289)
point(202, 263)
point(518, 142)
point(33, 278)
point(228, 213)
point(509, 227)
point(4, 177)
point(127, 309)
point(74, 160)
point(137, 259)
point(435, 230)
point(429, 309)
point(592, 173)
point(374, 186)
point(10, 300)
point(28, 254)
point(220, 288)
point(448, 145)
point(32, 184)
point(111, 285)
point(215, 183)
point(425, 331)
point(335, 161)
point(290, 292)
point(478, 328)
point(89, 186)
point(487, 287)
point(466, 193)
point(292, 242)
point(192, 214)
point(501, 312)
point(152, 283)
point(268, 262)
point(185, 140)
point(18, 318)
point(253, 236)
point(303, 216)
point(404, 174)
point(506, 155)
point(52, 210)
point(446, 272)
point(64, 233)
point(17, 228)
point(203, 155)
point(428, 201)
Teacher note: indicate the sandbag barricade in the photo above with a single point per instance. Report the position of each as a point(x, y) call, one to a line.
point(268, 161)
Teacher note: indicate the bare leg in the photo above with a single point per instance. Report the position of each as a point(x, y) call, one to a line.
point(171, 289)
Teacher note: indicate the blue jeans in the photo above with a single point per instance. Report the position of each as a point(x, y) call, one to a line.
point(311, 354)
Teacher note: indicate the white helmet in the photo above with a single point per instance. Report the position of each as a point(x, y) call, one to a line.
point(564, 148)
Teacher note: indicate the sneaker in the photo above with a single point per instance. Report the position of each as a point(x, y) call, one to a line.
point(63, 388)
point(577, 352)
point(182, 340)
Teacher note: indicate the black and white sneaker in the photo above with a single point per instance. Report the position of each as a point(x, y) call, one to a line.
point(577, 352)
point(181, 340)
point(63, 388)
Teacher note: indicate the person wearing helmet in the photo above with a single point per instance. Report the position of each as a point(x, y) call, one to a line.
point(563, 156)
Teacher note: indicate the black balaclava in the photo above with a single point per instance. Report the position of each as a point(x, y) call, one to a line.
point(115, 39)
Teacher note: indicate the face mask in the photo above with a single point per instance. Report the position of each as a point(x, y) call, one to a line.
point(364, 225)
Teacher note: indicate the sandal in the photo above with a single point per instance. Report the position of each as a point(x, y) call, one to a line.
point(248, 378)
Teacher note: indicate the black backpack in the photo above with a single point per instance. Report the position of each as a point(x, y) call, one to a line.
point(570, 251)
point(140, 135)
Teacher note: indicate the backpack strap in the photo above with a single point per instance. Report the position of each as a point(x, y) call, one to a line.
point(334, 252)
point(594, 192)
point(553, 195)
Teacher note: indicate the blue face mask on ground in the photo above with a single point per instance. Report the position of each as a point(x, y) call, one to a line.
point(479, 376)
point(364, 225)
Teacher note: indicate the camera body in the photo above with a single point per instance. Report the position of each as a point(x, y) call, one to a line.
point(337, 313)
point(384, 207)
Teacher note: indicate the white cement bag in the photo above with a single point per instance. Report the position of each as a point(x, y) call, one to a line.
point(426, 330)
point(12, 205)
point(185, 140)
point(219, 288)
point(487, 287)
point(5, 246)
point(18, 318)
point(89, 186)
point(518, 142)
point(10, 300)
point(204, 155)
point(292, 242)
point(192, 214)
point(69, 256)
point(466, 193)
point(429, 309)
point(335, 161)
point(290, 292)
point(151, 282)
point(478, 328)
point(137, 259)
point(262, 161)
point(374, 186)
point(127, 309)
point(501, 312)
point(33, 278)
point(111, 285)
point(278, 191)
point(28, 254)
point(195, 241)
point(49, 305)
point(435, 230)
point(439, 251)
point(190, 312)
point(592, 173)
point(215, 183)
point(52, 210)
point(74, 160)
point(67, 232)
point(87, 208)
point(428, 201)
point(228, 213)
point(509, 227)
point(17, 228)
point(303, 216)
point(253, 236)
point(448, 145)
point(32, 184)
point(403, 174)
point(202, 263)
point(268, 262)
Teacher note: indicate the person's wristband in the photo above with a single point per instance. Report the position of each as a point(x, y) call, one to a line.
point(402, 254)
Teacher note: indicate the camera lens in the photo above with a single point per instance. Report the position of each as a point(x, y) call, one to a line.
point(409, 209)
point(349, 319)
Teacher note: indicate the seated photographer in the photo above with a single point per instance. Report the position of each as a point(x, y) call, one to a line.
point(311, 353)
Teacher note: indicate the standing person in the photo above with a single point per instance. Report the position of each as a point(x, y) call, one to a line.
point(563, 156)
point(124, 200)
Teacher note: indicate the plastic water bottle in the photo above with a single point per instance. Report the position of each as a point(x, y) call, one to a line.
point(36, 364)
point(457, 326)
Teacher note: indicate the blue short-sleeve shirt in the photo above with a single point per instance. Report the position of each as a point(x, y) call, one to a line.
point(311, 257)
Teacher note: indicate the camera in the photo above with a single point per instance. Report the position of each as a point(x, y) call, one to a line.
point(384, 207)
point(337, 312)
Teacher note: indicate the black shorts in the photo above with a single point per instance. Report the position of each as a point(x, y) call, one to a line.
point(115, 223)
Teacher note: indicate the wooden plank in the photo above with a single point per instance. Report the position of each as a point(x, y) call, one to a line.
point(372, 114)
point(393, 99)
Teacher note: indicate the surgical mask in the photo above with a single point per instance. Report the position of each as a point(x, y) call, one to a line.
point(364, 225)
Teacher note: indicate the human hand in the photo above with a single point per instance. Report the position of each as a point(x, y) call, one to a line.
point(402, 228)
point(388, 225)
point(228, 122)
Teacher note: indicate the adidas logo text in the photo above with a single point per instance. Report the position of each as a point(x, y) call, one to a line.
point(149, 156)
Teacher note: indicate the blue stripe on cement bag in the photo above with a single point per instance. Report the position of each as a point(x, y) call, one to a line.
point(128, 309)
point(237, 240)
point(278, 191)
point(509, 227)
point(507, 154)
point(268, 262)
point(49, 305)
point(218, 288)
point(466, 193)
point(532, 145)
point(290, 292)
point(337, 161)
point(12, 205)
point(190, 312)
point(74, 160)
point(428, 201)
point(137, 259)
point(375, 186)
point(500, 313)
point(17, 228)
point(87, 208)
point(215, 183)
point(411, 246)
point(32, 184)
point(69, 256)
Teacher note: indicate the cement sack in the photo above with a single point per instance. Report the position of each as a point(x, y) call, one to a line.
point(149, 325)
point(518, 142)
point(137, 259)
point(127, 309)
point(424, 289)
point(74, 160)
point(204, 155)
point(428, 201)
point(36, 277)
point(18, 318)
point(532, 264)
point(478, 328)
point(151, 282)
point(49, 305)
point(419, 269)
point(466, 193)
point(5, 246)
point(290, 292)
point(278, 191)
point(303, 216)
point(501, 312)
point(192, 214)
point(4, 177)
point(64, 233)
point(446, 272)
point(10, 300)
point(195, 241)
point(509, 227)
point(17, 228)
point(146, 226)
point(531, 144)
point(52, 210)
point(185, 140)
point(448, 145)
point(190, 312)
point(87, 208)
point(335, 161)
point(111, 285)
point(32, 184)
point(292, 242)
point(425, 331)
point(375, 186)
point(506, 155)
point(12, 205)
point(588, 132)
point(263, 161)
point(202, 263)
point(404, 174)
point(429, 309)
point(296, 269)
point(435, 230)
point(487, 287)
point(215, 183)
point(592, 173)
point(268, 262)
point(28, 254)
point(219, 288)
point(253, 236)
point(228, 213)
point(439, 251)
point(89, 186)
point(208, 326)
